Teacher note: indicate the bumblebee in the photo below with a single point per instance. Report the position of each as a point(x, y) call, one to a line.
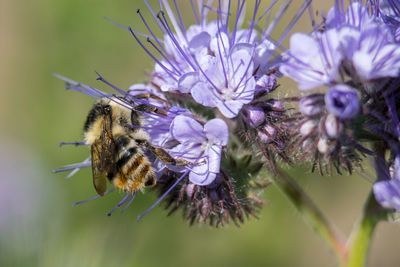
point(118, 146)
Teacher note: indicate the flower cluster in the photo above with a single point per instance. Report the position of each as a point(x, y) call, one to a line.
point(211, 80)
point(210, 101)
point(356, 56)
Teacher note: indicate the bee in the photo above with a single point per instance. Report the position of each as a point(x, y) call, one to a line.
point(118, 149)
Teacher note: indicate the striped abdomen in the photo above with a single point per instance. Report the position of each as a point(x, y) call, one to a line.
point(134, 170)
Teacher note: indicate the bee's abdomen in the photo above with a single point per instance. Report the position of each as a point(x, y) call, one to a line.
point(134, 169)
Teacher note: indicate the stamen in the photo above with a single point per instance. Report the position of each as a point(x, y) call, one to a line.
point(93, 198)
point(100, 78)
point(256, 6)
point(127, 28)
point(163, 196)
point(78, 143)
point(171, 35)
point(267, 11)
point(195, 12)
point(147, 128)
point(240, 6)
point(73, 85)
point(180, 19)
point(130, 201)
point(173, 20)
point(220, 56)
point(281, 11)
point(153, 14)
point(165, 54)
point(152, 56)
point(74, 168)
point(123, 200)
point(166, 59)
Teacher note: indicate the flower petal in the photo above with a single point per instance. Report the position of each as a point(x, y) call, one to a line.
point(187, 130)
point(217, 132)
point(204, 95)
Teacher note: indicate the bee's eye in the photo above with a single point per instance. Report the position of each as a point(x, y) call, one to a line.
point(107, 109)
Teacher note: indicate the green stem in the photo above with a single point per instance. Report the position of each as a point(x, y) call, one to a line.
point(311, 213)
point(361, 236)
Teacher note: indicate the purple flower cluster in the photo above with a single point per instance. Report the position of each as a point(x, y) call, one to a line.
point(211, 84)
point(355, 45)
point(223, 67)
point(217, 66)
point(356, 55)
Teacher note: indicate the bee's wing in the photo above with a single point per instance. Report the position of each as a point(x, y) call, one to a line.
point(103, 157)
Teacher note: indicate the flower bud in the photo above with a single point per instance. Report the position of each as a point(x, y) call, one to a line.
point(307, 127)
point(342, 101)
point(332, 126)
point(254, 116)
point(323, 145)
point(267, 134)
point(311, 105)
point(265, 84)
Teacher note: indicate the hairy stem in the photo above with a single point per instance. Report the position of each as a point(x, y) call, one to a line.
point(360, 238)
point(311, 213)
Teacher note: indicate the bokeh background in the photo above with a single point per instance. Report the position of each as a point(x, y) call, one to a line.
point(39, 226)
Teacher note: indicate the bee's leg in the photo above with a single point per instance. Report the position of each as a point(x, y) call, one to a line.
point(151, 109)
point(164, 156)
point(148, 95)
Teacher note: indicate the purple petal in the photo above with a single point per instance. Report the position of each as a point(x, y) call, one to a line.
point(214, 158)
point(217, 132)
point(187, 82)
point(342, 101)
point(230, 108)
point(387, 193)
point(187, 130)
point(200, 178)
point(204, 95)
point(199, 41)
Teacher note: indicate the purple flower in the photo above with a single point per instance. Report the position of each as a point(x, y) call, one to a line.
point(372, 52)
point(389, 11)
point(158, 127)
point(228, 83)
point(313, 60)
point(218, 66)
point(342, 101)
point(355, 44)
point(387, 193)
point(357, 15)
point(312, 105)
point(254, 115)
point(200, 143)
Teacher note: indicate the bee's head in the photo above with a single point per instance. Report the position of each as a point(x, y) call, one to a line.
point(107, 109)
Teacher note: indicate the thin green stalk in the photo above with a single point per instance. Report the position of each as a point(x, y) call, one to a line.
point(362, 234)
point(360, 238)
point(311, 213)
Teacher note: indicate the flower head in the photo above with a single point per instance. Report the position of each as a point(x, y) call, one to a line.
point(218, 66)
point(342, 101)
point(355, 46)
point(387, 191)
point(199, 143)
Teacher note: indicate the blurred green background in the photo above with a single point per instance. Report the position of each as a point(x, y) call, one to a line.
point(39, 226)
